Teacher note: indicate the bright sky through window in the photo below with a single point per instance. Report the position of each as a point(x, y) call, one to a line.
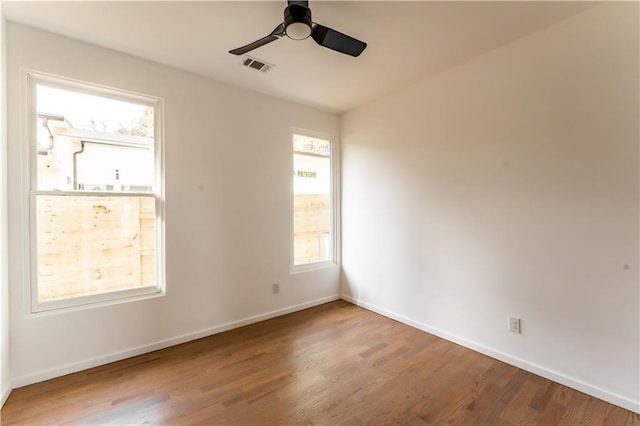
point(91, 112)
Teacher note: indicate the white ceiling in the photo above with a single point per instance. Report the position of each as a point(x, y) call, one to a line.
point(406, 40)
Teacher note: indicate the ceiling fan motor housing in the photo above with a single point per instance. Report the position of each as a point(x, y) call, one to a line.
point(297, 22)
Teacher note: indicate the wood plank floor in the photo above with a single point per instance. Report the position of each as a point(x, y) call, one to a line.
point(332, 364)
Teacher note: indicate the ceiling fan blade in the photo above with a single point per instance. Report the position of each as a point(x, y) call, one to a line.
point(337, 41)
point(303, 3)
point(275, 35)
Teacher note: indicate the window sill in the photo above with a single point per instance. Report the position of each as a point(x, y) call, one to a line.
point(308, 267)
point(94, 301)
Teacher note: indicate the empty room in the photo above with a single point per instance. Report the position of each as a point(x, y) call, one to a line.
point(319, 212)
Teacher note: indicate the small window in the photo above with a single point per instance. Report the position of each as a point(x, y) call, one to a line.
point(96, 196)
point(312, 201)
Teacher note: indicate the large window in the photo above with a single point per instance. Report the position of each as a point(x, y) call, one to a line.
point(95, 194)
point(312, 202)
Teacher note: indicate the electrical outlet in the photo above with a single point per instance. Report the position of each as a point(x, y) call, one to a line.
point(276, 288)
point(514, 325)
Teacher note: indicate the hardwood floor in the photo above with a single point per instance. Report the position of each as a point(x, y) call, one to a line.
point(332, 364)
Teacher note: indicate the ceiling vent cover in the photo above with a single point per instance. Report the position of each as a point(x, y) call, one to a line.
point(256, 64)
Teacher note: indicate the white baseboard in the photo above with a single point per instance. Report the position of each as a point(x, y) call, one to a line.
point(117, 356)
point(6, 391)
point(555, 376)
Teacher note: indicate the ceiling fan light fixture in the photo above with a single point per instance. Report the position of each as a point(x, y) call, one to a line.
point(297, 21)
point(298, 30)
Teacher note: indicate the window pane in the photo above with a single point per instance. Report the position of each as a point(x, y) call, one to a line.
point(94, 112)
point(90, 245)
point(93, 143)
point(310, 145)
point(311, 200)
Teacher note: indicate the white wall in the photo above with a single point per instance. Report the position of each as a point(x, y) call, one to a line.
point(5, 385)
point(509, 185)
point(228, 171)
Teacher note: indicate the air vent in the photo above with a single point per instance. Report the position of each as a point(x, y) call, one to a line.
point(256, 64)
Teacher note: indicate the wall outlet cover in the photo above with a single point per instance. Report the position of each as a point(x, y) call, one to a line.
point(514, 324)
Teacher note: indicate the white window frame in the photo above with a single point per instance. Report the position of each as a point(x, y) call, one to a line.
point(334, 198)
point(30, 80)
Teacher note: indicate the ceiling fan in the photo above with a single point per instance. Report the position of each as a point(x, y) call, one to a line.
point(298, 25)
